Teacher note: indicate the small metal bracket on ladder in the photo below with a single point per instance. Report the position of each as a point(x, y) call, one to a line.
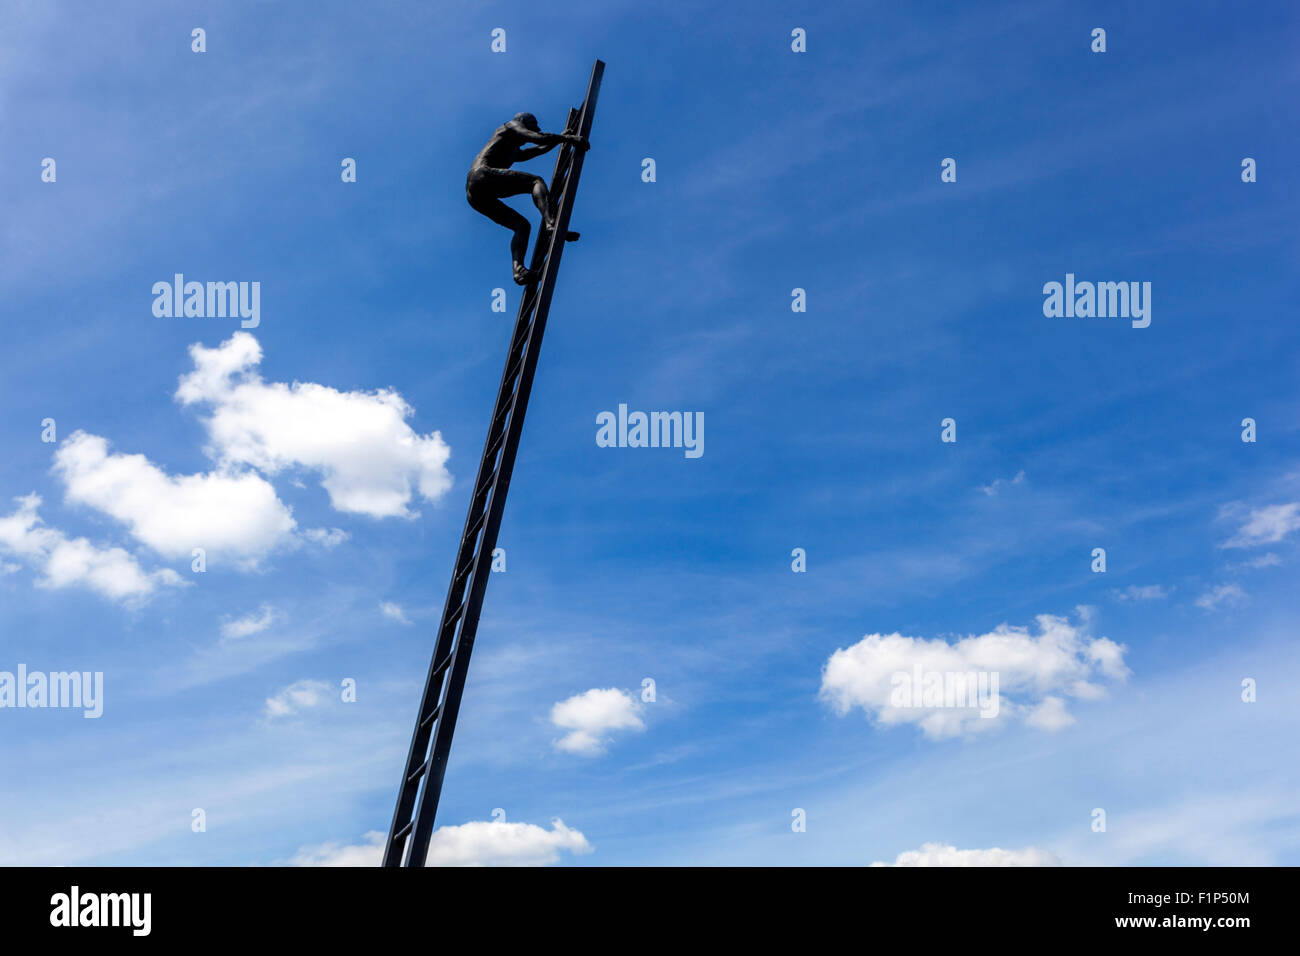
point(426, 762)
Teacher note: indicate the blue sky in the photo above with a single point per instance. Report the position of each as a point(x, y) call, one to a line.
point(775, 170)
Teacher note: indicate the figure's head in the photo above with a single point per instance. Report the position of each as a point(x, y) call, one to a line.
point(528, 121)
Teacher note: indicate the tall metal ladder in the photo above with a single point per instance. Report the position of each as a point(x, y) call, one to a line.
point(426, 764)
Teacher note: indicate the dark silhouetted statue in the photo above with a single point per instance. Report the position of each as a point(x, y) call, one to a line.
point(491, 179)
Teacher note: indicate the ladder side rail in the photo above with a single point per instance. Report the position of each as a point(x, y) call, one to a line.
point(454, 688)
point(418, 753)
point(440, 702)
point(419, 750)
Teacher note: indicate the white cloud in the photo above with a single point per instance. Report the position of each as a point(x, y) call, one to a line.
point(1033, 672)
point(478, 843)
point(1149, 592)
point(368, 853)
point(75, 562)
point(250, 624)
point(370, 461)
point(1225, 595)
point(999, 483)
point(591, 715)
point(298, 696)
point(1049, 715)
point(1266, 526)
point(326, 537)
point(225, 513)
point(940, 854)
point(394, 612)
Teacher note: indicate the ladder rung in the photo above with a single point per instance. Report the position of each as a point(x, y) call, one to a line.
point(519, 344)
point(455, 615)
point(490, 449)
point(465, 553)
point(514, 369)
point(432, 716)
point(419, 771)
point(401, 834)
point(500, 420)
point(438, 671)
point(487, 483)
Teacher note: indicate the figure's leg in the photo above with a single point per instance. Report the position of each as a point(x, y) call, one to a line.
point(542, 200)
point(503, 215)
point(516, 182)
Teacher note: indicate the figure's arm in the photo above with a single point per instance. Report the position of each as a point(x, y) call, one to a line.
point(547, 140)
point(536, 137)
point(525, 153)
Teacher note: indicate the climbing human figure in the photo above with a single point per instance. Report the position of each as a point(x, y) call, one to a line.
point(491, 179)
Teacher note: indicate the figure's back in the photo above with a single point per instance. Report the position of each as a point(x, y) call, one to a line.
point(501, 150)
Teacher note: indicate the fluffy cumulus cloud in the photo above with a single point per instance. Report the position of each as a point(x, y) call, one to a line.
point(299, 696)
point(370, 852)
point(940, 854)
point(591, 716)
point(478, 843)
point(1266, 526)
point(67, 562)
point(235, 515)
point(369, 459)
point(977, 682)
point(326, 537)
point(500, 843)
point(1049, 714)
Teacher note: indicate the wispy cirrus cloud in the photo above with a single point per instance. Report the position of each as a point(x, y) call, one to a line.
point(1146, 592)
point(250, 624)
point(1266, 525)
point(301, 695)
point(1223, 595)
point(393, 612)
point(997, 484)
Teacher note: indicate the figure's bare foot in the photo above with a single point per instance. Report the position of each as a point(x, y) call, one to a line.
point(524, 276)
point(548, 227)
